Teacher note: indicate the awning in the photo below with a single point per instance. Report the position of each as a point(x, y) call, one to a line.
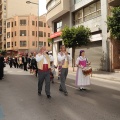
point(57, 34)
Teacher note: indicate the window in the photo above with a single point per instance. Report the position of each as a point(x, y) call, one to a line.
point(48, 34)
point(8, 34)
point(78, 17)
point(33, 43)
point(33, 22)
point(40, 43)
point(15, 43)
point(92, 11)
point(77, 1)
point(44, 34)
point(58, 26)
point(40, 24)
point(15, 33)
point(44, 24)
point(5, 23)
point(8, 25)
point(22, 32)
point(15, 23)
point(33, 33)
point(87, 13)
point(4, 7)
point(4, 30)
point(36, 33)
point(52, 4)
point(4, 37)
point(36, 43)
point(44, 43)
point(12, 24)
point(48, 44)
point(22, 43)
point(36, 23)
point(8, 44)
point(22, 22)
point(12, 44)
point(40, 33)
point(11, 34)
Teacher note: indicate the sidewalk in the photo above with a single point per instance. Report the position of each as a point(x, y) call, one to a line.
point(100, 74)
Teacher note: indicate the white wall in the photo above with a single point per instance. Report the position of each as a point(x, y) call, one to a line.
point(55, 52)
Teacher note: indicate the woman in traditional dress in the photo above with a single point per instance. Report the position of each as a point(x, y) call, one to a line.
point(81, 79)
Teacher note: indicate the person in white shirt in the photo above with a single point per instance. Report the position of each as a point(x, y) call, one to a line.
point(43, 64)
point(63, 62)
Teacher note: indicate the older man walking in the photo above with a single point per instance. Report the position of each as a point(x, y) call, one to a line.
point(43, 64)
point(63, 62)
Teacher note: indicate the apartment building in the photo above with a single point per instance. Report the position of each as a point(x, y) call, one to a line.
point(22, 33)
point(10, 8)
point(2, 24)
point(90, 13)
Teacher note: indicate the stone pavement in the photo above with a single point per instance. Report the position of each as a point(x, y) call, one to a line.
point(113, 76)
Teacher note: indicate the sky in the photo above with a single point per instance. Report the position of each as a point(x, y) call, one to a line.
point(42, 7)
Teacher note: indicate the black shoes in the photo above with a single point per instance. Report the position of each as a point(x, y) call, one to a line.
point(39, 93)
point(48, 96)
point(82, 89)
point(66, 93)
point(60, 90)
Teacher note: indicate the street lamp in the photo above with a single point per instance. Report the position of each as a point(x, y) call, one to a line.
point(29, 2)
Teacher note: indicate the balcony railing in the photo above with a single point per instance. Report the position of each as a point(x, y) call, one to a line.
point(114, 3)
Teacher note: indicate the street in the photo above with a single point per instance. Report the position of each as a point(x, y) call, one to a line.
point(19, 99)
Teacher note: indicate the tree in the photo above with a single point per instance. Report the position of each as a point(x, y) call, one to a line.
point(113, 23)
point(3, 52)
point(75, 37)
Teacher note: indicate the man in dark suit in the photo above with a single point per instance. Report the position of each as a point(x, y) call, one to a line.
point(1, 66)
point(25, 60)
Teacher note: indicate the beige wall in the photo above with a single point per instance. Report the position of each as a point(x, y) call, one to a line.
point(20, 7)
point(29, 38)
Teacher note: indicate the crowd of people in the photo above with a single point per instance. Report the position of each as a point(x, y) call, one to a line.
point(42, 65)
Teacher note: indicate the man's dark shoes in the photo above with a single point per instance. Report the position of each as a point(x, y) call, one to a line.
point(84, 89)
point(48, 96)
point(60, 90)
point(66, 93)
point(39, 93)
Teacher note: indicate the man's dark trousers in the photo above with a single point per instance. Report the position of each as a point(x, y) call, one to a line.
point(63, 75)
point(44, 75)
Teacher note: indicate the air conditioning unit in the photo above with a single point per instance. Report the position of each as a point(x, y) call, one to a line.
point(22, 34)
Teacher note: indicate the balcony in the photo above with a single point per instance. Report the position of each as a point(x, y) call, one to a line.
point(58, 8)
point(114, 3)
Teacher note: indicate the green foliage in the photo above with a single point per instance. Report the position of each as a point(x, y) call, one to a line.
point(75, 37)
point(3, 52)
point(114, 23)
point(50, 40)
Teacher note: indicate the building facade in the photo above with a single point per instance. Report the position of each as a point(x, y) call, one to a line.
point(22, 33)
point(90, 13)
point(10, 8)
point(114, 53)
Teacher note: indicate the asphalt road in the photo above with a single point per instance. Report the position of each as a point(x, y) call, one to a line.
point(19, 99)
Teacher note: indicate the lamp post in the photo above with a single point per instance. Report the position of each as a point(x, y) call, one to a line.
point(29, 2)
